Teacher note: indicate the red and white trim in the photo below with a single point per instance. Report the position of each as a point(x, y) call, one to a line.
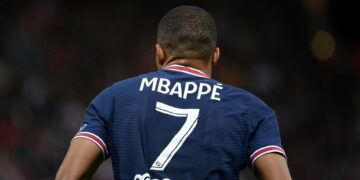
point(265, 150)
point(94, 138)
point(187, 70)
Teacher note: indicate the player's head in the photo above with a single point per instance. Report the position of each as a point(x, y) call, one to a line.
point(187, 32)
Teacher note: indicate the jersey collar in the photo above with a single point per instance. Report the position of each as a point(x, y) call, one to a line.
point(187, 70)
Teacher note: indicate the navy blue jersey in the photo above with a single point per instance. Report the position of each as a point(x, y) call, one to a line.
point(176, 123)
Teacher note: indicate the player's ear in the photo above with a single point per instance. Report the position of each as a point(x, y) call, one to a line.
point(160, 55)
point(215, 56)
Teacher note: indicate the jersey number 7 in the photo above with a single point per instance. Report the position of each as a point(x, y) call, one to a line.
point(177, 141)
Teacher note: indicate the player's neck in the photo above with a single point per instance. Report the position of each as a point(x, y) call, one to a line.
point(194, 63)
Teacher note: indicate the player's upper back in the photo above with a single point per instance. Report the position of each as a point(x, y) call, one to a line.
point(177, 123)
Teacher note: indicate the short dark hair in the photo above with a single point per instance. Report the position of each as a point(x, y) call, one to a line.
point(188, 32)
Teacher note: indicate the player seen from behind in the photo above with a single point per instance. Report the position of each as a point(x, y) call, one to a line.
point(177, 122)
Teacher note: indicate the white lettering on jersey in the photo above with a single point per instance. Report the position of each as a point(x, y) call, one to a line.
point(215, 94)
point(146, 82)
point(146, 176)
point(176, 90)
point(202, 91)
point(187, 89)
point(165, 86)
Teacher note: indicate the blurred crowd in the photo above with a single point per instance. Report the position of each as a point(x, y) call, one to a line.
point(301, 57)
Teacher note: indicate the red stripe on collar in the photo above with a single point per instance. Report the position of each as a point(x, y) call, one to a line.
point(187, 70)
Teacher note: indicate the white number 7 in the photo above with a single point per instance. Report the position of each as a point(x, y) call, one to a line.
point(177, 141)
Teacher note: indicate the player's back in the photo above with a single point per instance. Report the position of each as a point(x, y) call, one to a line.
point(178, 124)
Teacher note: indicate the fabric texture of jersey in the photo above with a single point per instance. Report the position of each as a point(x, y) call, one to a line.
point(176, 123)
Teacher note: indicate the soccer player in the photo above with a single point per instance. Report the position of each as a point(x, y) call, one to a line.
point(177, 122)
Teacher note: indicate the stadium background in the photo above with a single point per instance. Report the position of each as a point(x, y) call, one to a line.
point(301, 57)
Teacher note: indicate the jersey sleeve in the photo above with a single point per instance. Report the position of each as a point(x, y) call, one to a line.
point(95, 123)
point(265, 137)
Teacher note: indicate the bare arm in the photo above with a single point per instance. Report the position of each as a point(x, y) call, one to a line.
point(272, 166)
point(81, 160)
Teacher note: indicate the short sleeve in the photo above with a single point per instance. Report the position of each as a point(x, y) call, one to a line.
point(265, 137)
point(95, 123)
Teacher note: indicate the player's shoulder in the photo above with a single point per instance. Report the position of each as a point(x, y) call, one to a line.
point(129, 83)
point(237, 93)
point(241, 98)
point(123, 89)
